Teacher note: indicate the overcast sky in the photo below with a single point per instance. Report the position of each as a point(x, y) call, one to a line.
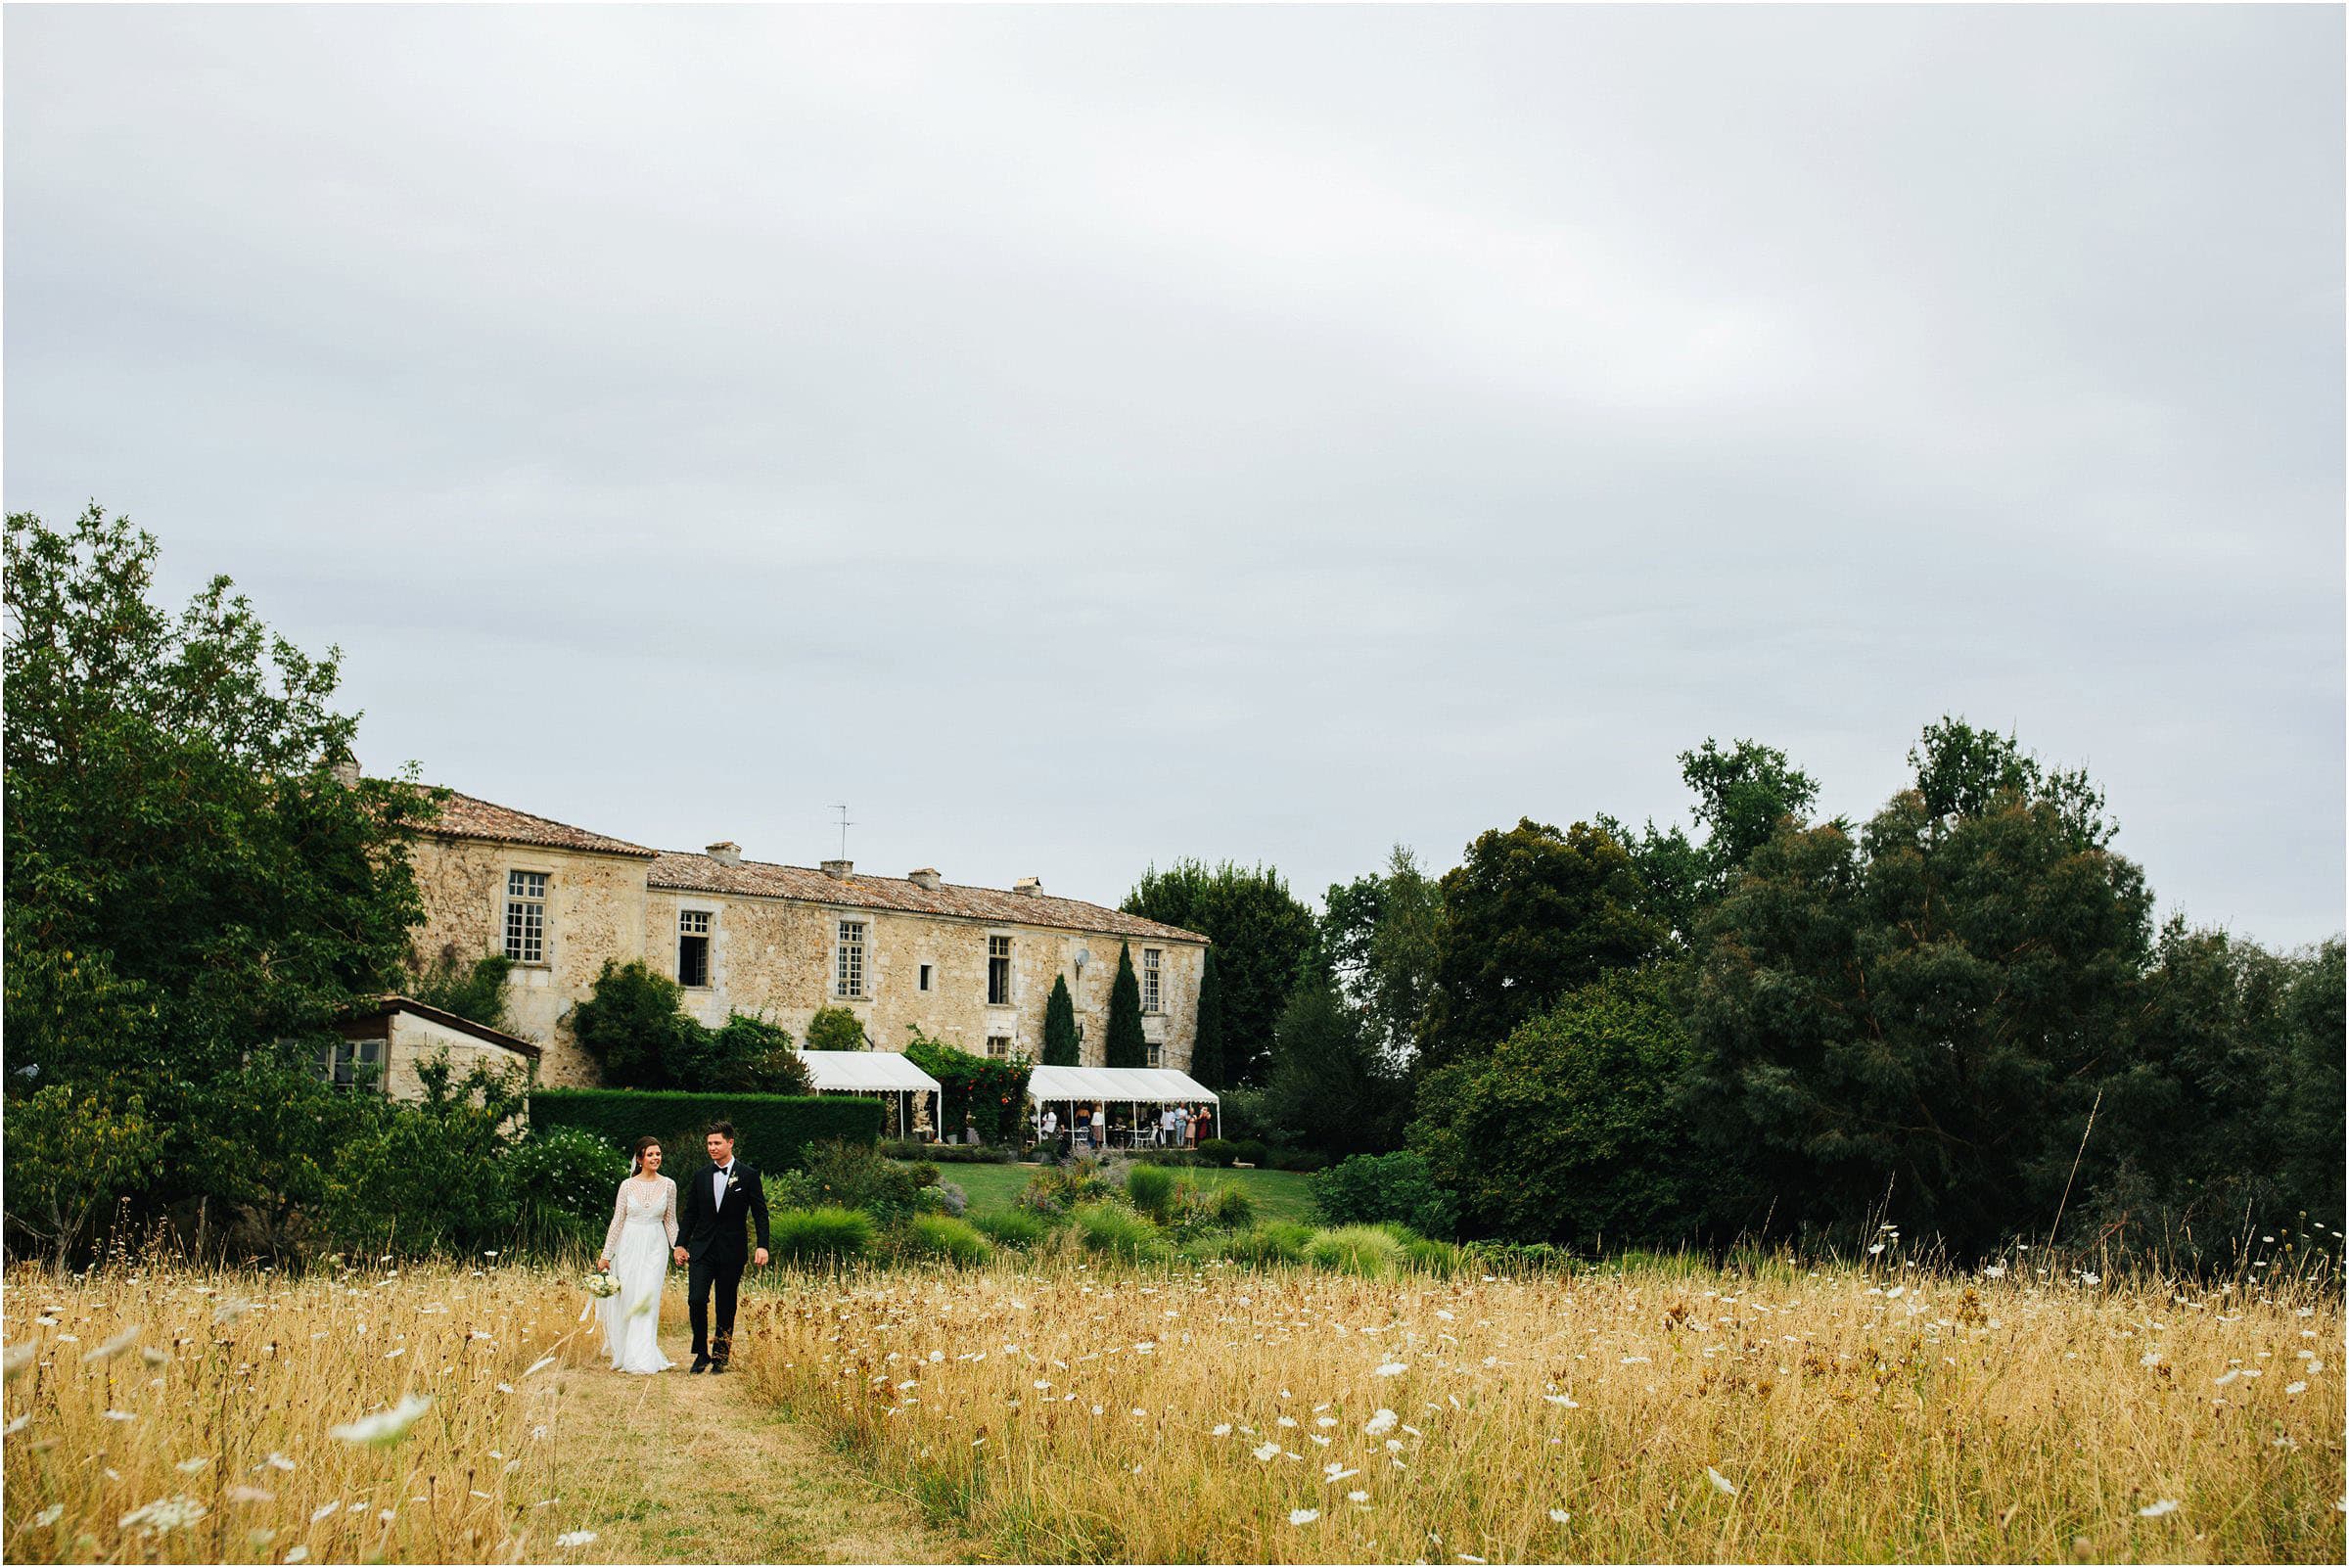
point(1079, 438)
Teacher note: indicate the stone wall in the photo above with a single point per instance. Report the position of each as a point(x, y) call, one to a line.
point(775, 957)
point(595, 909)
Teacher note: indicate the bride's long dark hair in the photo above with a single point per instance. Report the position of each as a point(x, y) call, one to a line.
point(636, 1158)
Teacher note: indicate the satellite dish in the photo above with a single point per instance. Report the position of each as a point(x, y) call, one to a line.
point(1083, 953)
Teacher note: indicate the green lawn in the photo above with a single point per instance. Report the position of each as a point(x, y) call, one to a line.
point(1278, 1194)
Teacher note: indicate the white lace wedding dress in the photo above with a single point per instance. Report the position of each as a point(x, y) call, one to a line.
point(644, 1227)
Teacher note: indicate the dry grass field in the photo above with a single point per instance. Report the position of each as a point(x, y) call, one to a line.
point(1662, 1414)
point(1057, 1409)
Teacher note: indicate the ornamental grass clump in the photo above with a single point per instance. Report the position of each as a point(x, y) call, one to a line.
point(1117, 1232)
point(1370, 1251)
point(941, 1236)
point(822, 1235)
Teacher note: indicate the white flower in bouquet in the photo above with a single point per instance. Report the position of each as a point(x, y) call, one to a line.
point(600, 1284)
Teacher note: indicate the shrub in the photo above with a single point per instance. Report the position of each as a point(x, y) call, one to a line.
point(1174, 1157)
point(858, 1175)
point(475, 991)
point(1232, 1207)
point(1372, 1188)
point(773, 1130)
point(1013, 1227)
point(924, 1173)
point(942, 1236)
point(1219, 1151)
point(993, 1094)
point(1117, 1232)
point(1248, 1151)
point(633, 1023)
point(1151, 1190)
point(563, 1178)
point(958, 1201)
point(1364, 1250)
point(431, 1177)
point(828, 1234)
point(1055, 1190)
point(1276, 1241)
point(1298, 1160)
point(834, 1029)
point(948, 1153)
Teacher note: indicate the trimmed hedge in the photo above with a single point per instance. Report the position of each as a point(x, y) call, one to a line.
point(772, 1130)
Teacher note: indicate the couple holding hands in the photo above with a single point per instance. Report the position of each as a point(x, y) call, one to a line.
point(700, 1226)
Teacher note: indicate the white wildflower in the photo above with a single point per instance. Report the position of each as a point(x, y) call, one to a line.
point(575, 1537)
point(1304, 1516)
point(386, 1426)
point(246, 1494)
point(539, 1366)
point(1721, 1482)
point(1267, 1452)
point(191, 1467)
point(2295, 1388)
point(1392, 1369)
point(325, 1512)
point(2158, 1510)
point(49, 1517)
point(120, 1415)
point(1381, 1423)
point(165, 1513)
point(1222, 1429)
point(1559, 1516)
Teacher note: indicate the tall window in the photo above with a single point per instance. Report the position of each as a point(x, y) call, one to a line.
point(848, 978)
point(693, 947)
point(998, 971)
point(1150, 991)
point(923, 982)
point(526, 917)
point(1157, 1052)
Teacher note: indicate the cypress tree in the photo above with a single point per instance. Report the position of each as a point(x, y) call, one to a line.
point(1126, 1046)
point(1060, 1026)
point(1207, 1041)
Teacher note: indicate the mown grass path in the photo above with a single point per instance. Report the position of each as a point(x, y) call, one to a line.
point(674, 1468)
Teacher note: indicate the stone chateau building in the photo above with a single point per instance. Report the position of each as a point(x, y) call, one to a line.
point(970, 966)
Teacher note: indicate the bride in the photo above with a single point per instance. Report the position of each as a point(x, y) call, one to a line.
point(644, 1227)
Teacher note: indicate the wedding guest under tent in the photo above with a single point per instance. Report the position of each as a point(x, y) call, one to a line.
point(1144, 1092)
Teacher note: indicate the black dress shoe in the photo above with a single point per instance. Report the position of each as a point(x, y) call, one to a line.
point(716, 1367)
point(701, 1364)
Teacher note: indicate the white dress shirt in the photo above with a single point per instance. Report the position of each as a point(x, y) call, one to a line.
point(719, 1177)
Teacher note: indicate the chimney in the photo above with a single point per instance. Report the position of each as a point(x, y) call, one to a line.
point(726, 852)
point(838, 870)
point(346, 771)
point(925, 879)
point(1029, 885)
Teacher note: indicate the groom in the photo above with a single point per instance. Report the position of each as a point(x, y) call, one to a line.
point(711, 1206)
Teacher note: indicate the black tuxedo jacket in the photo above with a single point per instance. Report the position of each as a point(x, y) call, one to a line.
point(712, 1232)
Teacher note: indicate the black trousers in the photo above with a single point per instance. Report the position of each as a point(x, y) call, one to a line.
point(725, 1272)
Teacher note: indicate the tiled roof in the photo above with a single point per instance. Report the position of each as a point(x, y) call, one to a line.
point(462, 816)
point(698, 873)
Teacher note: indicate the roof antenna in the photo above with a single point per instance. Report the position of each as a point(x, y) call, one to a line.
point(845, 825)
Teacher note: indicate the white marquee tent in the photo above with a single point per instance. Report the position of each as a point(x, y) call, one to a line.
point(1069, 1087)
point(869, 1073)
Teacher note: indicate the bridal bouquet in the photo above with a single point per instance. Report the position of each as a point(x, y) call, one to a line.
point(600, 1284)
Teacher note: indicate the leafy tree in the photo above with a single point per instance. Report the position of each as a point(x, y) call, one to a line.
point(1261, 934)
point(69, 1153)
point(1382, 936)
point(634, 1023)
point(1207, 1036)
point(475, 991)
point(197, 883)
point(1929, 1010)
point(1530, 915)
point(1124, 1045)
point(834, 1029)
point(1060, 1026)
point(1568, 1131)
point(2226, 1119)
point(1332, 1083)
point(1743, 795)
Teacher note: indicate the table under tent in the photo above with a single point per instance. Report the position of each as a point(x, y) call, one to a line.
point(1143, 1092)
point(885, 1074)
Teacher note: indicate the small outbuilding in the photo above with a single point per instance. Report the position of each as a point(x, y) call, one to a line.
point(381, 1044)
